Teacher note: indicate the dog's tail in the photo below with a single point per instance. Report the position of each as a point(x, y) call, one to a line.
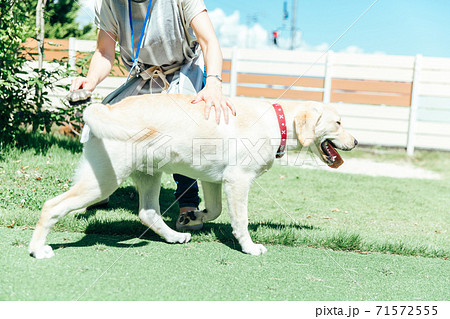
point(103, 124)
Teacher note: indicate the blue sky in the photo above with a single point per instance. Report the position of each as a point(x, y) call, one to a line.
point(399, 27)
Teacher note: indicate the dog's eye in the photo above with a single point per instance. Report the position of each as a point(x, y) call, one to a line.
point(338, 122)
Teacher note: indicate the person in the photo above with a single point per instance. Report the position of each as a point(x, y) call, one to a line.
point(178, 44)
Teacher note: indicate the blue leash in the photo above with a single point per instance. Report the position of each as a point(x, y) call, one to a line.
point(135, 55)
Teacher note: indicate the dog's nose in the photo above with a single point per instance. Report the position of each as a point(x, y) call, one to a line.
point(356, 142)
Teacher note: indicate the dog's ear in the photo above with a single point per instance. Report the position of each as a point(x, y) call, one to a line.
point(305, 124)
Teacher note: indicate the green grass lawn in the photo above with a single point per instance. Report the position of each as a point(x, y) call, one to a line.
point(330, 237)
point(154, 270)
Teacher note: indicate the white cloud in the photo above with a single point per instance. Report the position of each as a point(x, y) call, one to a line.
point(88, 3)
point(353, 49)
point(231, 33)
point(86, 13)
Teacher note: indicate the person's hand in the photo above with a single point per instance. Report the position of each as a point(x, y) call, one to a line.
point(82, 83)
point(213, 97)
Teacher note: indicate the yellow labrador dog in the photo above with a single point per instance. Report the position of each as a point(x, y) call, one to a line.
point(147, 135)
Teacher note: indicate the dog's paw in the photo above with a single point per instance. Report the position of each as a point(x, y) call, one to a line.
point(254, 249)
point(177, 237)
point(42, 253)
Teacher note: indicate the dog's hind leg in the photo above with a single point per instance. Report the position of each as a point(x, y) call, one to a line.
point(237, 185)
point(212, 194)
point(87, 190)
point(149, 212)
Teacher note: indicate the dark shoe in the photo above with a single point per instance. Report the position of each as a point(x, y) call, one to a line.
point(189, 221)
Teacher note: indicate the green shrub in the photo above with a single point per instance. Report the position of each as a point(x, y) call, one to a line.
point(24, 100)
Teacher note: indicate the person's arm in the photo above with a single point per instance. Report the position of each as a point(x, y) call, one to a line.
point(212, 92)
point(101, 63)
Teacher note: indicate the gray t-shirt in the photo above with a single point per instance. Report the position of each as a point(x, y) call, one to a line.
point(169, 40)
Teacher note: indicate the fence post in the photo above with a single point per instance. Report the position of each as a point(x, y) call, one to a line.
point(72, 53)
point(328, 76)
point(233, 71)
point(414, 106)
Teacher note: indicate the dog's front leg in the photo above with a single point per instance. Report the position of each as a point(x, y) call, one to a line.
point(237, 186)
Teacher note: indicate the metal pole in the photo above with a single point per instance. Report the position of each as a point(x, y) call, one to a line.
point(72, 53)
point(233, 71)
point(414, 106)
point(328, 76)
point(294, 17)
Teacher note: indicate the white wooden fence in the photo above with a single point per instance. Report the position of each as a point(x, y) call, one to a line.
point(400, 101)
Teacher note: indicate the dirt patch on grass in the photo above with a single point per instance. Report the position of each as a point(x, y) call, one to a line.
point(367, 167)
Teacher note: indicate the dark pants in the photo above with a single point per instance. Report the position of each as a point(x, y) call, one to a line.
point(187, 191)
point(187, 188)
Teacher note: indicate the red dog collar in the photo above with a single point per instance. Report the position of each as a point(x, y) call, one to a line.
point(282, 123)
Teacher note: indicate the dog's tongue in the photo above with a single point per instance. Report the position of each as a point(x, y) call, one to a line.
point(333, 155)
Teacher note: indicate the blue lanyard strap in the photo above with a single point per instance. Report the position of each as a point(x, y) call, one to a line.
point(135, 55)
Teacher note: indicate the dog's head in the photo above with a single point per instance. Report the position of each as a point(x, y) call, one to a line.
point(321, 124)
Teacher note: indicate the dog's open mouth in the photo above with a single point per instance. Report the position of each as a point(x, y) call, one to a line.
point(331, 156)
